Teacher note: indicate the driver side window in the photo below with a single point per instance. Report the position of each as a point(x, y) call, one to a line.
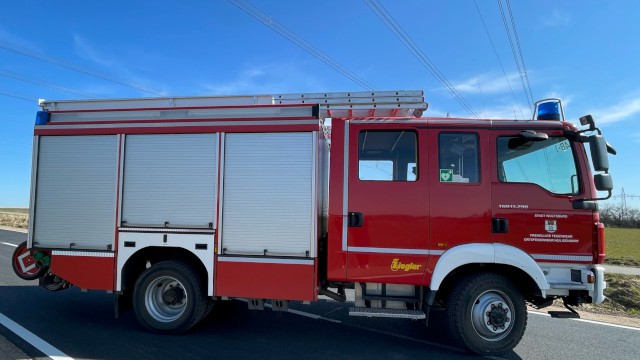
point(549, 164)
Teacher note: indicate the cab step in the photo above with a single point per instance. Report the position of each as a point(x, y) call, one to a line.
point(387, 313)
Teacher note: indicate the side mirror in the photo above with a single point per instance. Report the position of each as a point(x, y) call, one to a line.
point(588, 120)
point(603, 182)
point(598, 147)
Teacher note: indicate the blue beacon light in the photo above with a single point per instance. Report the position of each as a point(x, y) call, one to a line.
point(549, 110)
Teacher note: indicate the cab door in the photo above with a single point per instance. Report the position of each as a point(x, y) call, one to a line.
point(388, 211)
point(533, 185)
point(460, 190)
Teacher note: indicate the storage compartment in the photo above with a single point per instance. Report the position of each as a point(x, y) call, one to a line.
point(75, 201)
point(269, 194)
point(170, 180)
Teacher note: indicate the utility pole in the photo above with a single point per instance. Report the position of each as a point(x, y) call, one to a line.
point(623, 202)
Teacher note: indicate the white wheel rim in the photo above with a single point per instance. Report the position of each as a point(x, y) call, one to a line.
point(158, 299)
point(492, 315)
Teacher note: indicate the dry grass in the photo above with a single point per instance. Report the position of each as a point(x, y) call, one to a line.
point(16, 220)
point(623, 296)
point(14, 210)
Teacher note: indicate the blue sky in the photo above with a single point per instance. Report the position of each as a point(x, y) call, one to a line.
point(583, 52)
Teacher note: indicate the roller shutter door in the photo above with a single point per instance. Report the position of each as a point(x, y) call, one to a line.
point(170, 178)
point(267, 201)
point(76, 192)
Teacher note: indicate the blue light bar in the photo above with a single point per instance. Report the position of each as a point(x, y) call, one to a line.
point(42, 117)
point(549, 110)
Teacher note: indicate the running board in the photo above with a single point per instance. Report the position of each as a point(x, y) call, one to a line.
point(387, 313)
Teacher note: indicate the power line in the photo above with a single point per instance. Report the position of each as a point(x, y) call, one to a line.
point(3, 93)
point(624, 196)
point(484, 113)
point(515, 33)
point(381, 12)
point(514, 53)
point(498, 57)
point(16, 76)
point(18, 49)
point(623, 200)
point(283, 31)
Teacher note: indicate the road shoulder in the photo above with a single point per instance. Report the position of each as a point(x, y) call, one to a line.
point(9, 228)
point(9, 351)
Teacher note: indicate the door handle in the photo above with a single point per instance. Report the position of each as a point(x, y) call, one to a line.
point(499, 225)
point(356, 219)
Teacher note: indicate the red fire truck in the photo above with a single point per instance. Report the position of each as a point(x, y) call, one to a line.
point(176, 203)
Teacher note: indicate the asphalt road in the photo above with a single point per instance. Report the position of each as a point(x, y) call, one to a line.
point(82, 326)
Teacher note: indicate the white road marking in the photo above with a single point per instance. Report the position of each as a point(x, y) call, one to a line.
point(34, 340)
point(8, 244)
point(591, 322)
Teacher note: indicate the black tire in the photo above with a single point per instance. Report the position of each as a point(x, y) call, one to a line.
point(487, 314)
point(22, 258)
point(210, 305)
point(169, 297)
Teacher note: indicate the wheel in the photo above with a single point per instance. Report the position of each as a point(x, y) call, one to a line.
point(487, 314)
point(210, 304)
point(168, 297)
point(24, 265)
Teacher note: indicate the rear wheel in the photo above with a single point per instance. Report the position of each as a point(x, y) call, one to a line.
point(168, 297)
point(25, 265)
point(487, 314)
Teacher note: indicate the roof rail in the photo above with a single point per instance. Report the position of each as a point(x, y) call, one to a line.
point(400, 103)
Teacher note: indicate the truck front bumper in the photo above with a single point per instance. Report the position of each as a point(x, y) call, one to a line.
point(567, 279)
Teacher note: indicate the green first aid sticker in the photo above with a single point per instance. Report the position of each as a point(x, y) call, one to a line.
point(446, 175)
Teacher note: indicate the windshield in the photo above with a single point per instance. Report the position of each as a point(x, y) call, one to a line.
point(549, 163)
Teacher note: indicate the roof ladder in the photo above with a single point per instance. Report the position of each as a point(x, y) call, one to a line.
point(402, 103)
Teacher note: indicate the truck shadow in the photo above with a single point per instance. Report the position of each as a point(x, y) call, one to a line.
point(82, 325)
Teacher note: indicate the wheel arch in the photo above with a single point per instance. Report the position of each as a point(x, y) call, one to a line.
point(506, 260)
point(137, 263)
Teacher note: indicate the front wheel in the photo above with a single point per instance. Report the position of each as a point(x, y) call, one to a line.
point(487, 313)
point(168, 297)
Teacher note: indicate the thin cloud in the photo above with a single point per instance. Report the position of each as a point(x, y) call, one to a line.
point(117, 69)
point(16, 39)
point(506, 111)
point(488, 83)
point(566, 99)
point(84, 49)
point(557, 18)
point(265, 79)
point(619, 112)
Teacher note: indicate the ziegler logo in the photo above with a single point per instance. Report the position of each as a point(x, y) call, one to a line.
point(396, 265)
